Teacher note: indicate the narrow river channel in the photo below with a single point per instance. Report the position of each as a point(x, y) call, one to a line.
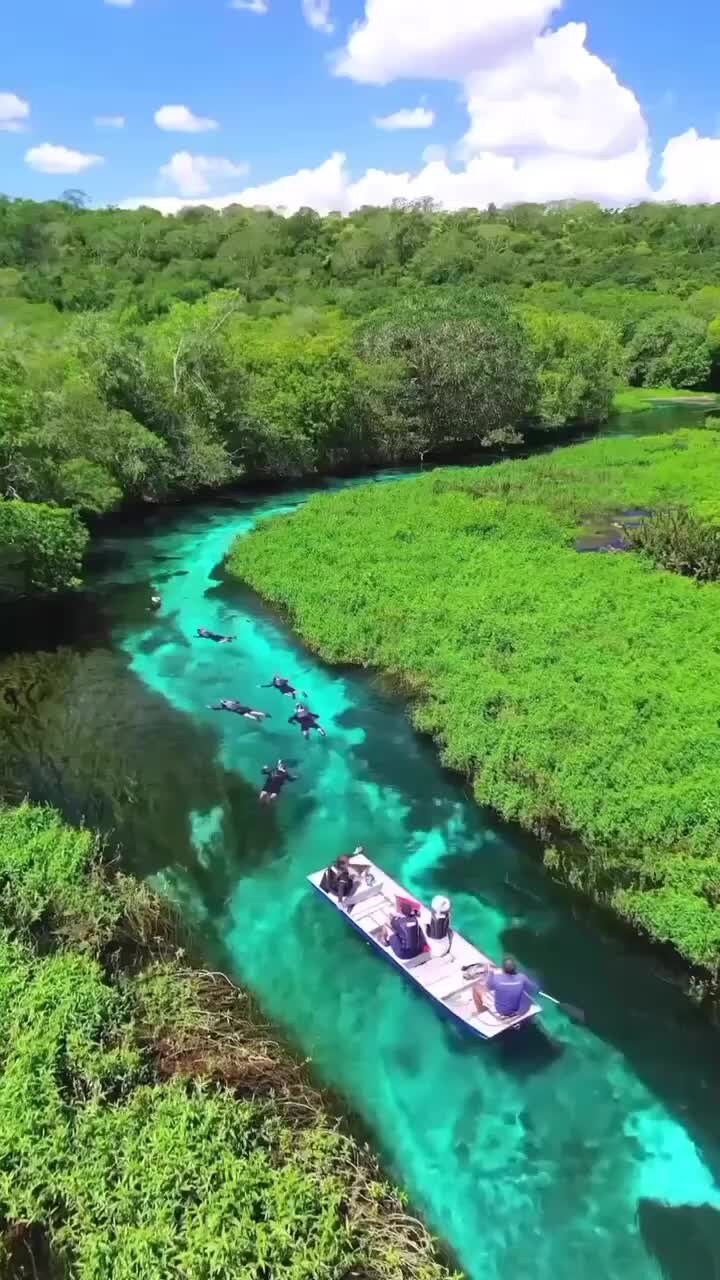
point(561, 1153)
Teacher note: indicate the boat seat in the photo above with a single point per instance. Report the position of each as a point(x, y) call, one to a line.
point(362, 894)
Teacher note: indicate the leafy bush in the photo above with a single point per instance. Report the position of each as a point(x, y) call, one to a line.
point(41, 548)
point(115, 1172)
point(575, 690)
point(669, 349)
point(676, 539)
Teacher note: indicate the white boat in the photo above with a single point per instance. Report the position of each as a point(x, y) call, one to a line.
point(441, 972)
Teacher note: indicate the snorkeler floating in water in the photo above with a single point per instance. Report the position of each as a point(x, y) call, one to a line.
point(204, 634)
point(283, 685)
point(307, 720)
point(275, 778)
point(239, 708)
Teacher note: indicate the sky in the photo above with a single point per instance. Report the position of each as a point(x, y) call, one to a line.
point(339, 103)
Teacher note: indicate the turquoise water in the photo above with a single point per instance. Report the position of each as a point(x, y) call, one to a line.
point(560, 1152)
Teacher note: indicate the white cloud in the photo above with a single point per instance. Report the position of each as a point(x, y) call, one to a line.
point(14, 113)
point(180, 119)
point(252, 6)
point(407, 118)
point(317, 15)
point(690, 169)
point(547, 118)
point(194, 175)
point(324, 188)
point(109, 122)
point(121, 4)
point(427, 39)
point(553, 97)
point(48, 158)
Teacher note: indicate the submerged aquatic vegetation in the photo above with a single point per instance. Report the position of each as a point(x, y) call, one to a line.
point(579, 692)
point(150, 1124)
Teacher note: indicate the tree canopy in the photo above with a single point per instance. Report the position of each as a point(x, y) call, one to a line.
point(144, 358)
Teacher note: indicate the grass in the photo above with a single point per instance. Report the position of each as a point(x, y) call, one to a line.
point(578, 692)
point(639, 399)
point(150, 1124)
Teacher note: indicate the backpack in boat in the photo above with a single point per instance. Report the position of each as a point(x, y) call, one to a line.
point(409, 933)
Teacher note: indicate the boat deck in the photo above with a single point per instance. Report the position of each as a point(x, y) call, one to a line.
point(439, 972)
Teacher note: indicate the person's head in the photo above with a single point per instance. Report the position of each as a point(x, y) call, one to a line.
point(441, 906)
point(299, 706)
point(343, 861)
point(407, 908)
point(281, 766)
point(509, 965)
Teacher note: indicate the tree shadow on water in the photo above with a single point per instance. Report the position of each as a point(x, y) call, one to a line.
point(84, 734)
point(684, 1239)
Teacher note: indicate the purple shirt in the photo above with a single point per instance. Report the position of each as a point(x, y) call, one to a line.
point(510, 991)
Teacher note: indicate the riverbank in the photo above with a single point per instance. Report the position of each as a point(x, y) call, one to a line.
point(640, 399)
point(150, 1122)
point(577, 691)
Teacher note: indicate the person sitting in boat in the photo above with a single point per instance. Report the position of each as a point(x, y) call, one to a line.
point(342, 877)
point(512, 990)
point(240, 709)
point(404, 933)
point(307, 720)
point(439, 933)
point(204, 634)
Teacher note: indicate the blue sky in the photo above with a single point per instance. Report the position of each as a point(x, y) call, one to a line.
point(508, 123)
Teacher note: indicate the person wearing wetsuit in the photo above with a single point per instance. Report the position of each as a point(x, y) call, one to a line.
point(307, 720)
point(204, 634)
point(275, 778)
point(155, 601)
point(239, 708)
point(282, 684)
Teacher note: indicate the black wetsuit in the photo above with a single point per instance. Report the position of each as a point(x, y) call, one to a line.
point(307, 721)
point(204, 634)
point(276, 779)
point(281, 684)
point(229, 704)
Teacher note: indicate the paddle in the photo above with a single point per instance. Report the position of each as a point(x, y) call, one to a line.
point(572, 1011)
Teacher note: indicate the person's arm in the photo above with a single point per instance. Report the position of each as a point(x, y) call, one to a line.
point(293, 719)
point(491, 982)
point(267, 769)
point(531, 986)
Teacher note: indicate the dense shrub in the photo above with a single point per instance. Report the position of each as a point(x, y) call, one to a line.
point(110, 1170)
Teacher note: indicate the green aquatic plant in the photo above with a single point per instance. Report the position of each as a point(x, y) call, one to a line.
point(151, 1125)
point(578, 692)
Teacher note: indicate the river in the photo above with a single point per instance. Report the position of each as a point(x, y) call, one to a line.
point(562, 1151)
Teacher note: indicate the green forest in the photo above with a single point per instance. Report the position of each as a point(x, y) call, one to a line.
point(146, 359)
point(577, 691)
point(150, 1124)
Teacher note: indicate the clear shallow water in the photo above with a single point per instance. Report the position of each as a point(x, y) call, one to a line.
point(558, 1154)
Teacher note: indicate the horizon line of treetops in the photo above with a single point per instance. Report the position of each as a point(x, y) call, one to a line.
point(144, 358)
